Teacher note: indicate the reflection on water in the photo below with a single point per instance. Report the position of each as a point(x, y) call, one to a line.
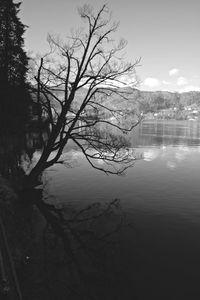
point(73, 248)
point(160, 196)
point(171, 141)
point(173, 156)
point(67, 253)
point(165, 133)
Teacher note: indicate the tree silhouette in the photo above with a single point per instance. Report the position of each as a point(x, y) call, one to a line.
point(13, 60)
point(78, 85)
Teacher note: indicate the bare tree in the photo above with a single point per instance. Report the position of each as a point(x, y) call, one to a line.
point(77, 84)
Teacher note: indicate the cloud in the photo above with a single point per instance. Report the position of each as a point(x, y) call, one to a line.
point(182, 81)
point(151, 82)
point(165, 82)
point(173, 72)
point(190, 88)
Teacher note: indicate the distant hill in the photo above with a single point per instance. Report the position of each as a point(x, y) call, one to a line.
point(166, 104)
point(162, 104)
point(159, 104)
point(151, 101)
point(148, 101)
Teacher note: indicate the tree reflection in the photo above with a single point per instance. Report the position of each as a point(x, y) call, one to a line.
point(71, 251)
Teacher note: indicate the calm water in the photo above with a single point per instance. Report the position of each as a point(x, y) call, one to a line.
point(159, 255)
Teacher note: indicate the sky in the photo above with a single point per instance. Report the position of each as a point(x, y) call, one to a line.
point(165, 34)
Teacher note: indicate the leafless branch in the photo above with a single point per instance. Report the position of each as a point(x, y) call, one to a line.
point(81, 78)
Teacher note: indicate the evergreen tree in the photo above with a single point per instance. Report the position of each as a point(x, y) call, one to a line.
point(13, 59)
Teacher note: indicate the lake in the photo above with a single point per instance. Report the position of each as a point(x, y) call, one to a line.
point(100, 237)
point(158, 252)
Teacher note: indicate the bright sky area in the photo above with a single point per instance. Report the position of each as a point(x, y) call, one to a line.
point(165, 34)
